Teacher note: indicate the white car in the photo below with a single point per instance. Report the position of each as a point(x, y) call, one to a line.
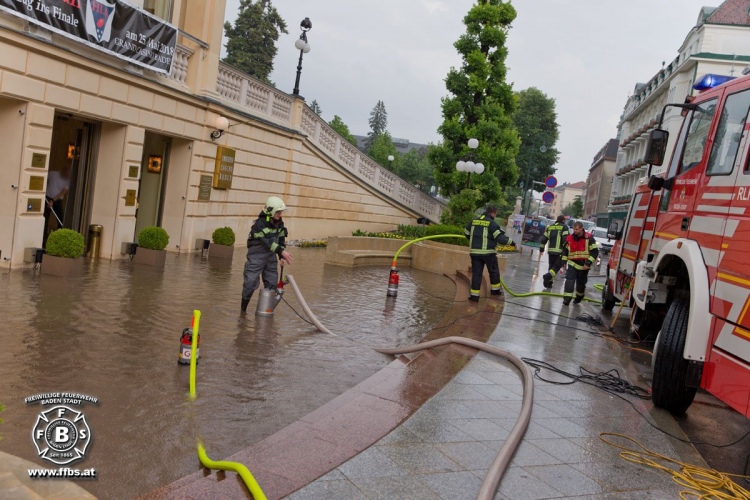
point(603, 242)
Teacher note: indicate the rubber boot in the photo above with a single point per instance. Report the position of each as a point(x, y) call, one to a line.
point(547, 280)
point(243, 306)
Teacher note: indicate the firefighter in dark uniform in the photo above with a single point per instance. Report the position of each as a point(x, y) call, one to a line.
point(555, 235)
point(265, 243)
point(484, 236)
point(579, 253)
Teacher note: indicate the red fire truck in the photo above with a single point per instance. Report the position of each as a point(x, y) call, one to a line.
point(682, 259)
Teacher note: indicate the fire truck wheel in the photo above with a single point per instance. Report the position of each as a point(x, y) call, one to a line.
point(608, 300)
point(670, 367)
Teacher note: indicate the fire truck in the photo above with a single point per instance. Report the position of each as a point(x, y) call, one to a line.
point(682, 256)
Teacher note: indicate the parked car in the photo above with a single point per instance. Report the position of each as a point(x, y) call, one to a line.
point(605, 244)
point(588, 225)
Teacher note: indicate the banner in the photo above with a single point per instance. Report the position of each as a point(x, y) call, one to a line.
point(533, 231)
point(116, 28)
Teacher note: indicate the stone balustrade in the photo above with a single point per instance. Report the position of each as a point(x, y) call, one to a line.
point(180, 65)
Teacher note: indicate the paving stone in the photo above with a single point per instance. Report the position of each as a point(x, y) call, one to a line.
point(565, 479)
point(394, 487)
point(431, 429)
point(453, 485)
point(420, 458)
point(371, 463)
point(399, 435)
point(563, 427)
point(534, 430)
point(518, 483)
point(564, 450)
point(528, 454)
point(470, 456)
point(328, 490)
point(481, 429)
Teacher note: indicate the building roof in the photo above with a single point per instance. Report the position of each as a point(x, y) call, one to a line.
point(402, 145)
point(734, 12)
point(577, 185)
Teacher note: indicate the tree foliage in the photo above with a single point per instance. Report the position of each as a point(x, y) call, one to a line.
point(536, 121)
point(378, 123)
point(460, 208)
point(415, 168)
point(480, 106)
point(339, 126)
point(251, 42)
point(315, 107)
point(574, 209)
point(380, 148)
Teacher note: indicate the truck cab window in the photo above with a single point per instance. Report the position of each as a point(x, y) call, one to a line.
point(695, 143)
point(728, 134)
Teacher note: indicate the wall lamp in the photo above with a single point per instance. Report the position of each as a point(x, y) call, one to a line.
point(221, 124)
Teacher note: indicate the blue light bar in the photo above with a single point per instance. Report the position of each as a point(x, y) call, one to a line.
point(710, 81)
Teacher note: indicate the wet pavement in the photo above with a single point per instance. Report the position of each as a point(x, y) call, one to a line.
point(114, 334)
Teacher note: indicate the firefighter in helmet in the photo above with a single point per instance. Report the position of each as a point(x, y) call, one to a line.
point(265, 244)
point(485, 235)
point(555, 235)
point(579, 253)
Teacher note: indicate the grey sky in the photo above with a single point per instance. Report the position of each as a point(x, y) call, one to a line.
point(586, 54)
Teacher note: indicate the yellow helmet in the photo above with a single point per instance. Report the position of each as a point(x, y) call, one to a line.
point(274, 204)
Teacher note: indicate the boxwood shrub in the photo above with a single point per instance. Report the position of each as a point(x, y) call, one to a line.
point(153, 238)
point(65, 243)
point(223, 236)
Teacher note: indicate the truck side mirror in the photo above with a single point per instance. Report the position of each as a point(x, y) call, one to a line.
point(614, 230)
point(656, 182)
point(657, 147)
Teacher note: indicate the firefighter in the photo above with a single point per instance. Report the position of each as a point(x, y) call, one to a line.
point(579, 253)
point(555, 235)
point(265, 243)
point(484, 236)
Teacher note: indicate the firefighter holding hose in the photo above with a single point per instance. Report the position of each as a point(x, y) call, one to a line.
point(579, 254)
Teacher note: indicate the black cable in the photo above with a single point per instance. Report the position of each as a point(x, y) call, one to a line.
point(295, 312)
point(614, 385)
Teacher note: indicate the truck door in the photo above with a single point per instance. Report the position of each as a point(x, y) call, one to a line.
point(677, 205)
point(724, 208)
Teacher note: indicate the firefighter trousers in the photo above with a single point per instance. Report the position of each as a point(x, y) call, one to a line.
point(477, 269)
point(260, 262)
point(555, 261)
point(575, 279)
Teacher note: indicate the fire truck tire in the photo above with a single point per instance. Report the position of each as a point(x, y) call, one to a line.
point(670, 367)
point(608, 300)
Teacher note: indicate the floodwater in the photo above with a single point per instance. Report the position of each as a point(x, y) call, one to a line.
point(114, 334)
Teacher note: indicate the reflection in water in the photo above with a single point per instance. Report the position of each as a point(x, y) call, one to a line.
point(114, 334)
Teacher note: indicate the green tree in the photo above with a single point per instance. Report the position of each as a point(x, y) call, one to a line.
point(380, 148)
point(480, 105)
point(536, 121)
point(574, 209)
point(315, 107)
point(378, 124)
point(251, 42)
point(339, 126)
point(461, 207)
point(415, 168)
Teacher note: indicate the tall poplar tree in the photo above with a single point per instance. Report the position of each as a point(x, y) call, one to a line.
point(251, 42)
point(480, 106)
point(378, 123)
point(536, 122)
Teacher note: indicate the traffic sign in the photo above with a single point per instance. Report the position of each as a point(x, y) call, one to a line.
point(550, 181)
point(548, 196)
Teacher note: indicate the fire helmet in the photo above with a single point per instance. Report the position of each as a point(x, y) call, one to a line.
point(274, 204)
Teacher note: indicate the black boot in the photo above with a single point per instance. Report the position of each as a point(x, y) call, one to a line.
point(473, 298)
point(547, 280)
point(243, 306)
point(578, 299)
point(566, 301)
point(496, 292)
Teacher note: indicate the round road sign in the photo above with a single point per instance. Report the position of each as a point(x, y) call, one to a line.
point(550, 181)
point(548, 196)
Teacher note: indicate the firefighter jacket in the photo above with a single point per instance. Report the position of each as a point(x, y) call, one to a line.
point(555, 235)
point(268, 234)
point(580, 251)
point(485, 235)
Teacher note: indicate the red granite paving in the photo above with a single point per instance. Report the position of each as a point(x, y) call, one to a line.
point(339, 430)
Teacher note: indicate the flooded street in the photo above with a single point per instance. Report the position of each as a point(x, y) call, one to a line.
point(114, 334)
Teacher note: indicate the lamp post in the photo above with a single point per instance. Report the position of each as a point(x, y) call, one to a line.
point(469, 166)
point(390, 162)
point(304, 48)
point(542, 149)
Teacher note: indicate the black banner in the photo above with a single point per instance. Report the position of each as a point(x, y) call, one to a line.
point(533, 231)
point(117, 28)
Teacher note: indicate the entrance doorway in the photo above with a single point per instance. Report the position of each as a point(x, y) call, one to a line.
point(152, 186)
point(70, 180)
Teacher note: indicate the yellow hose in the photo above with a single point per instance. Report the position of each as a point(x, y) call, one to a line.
point(514, 294)
point(240, 469)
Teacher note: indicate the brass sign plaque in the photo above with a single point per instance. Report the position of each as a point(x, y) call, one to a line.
point(130, 198)
point(36, 183)
point(224, 168)
point(204, 188)
point(38, 160)
point(34, 205)
point(133, 172)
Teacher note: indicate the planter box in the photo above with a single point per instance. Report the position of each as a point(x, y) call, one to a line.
point(149, 257)
point(61, 266)
point(220, 251)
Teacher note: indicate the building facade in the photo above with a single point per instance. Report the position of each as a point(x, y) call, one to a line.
point(140, 135)
point(719, 43)
point(565, 194)
point(599, 183)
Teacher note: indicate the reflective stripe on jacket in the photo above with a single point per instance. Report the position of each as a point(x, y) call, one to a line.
point(484, 235)
point(580, 252)
point(555, 235)
point(269, 233)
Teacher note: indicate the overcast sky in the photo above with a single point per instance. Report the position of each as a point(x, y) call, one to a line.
point(586, 54)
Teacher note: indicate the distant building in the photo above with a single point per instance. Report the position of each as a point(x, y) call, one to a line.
point(599, 184)
point(565, 194)
point(719, 43)
point(402, 145)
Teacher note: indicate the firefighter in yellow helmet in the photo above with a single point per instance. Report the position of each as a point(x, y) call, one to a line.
point(265, 244)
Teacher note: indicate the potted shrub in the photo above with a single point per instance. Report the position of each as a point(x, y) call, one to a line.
point(152, 241)
point(222, 243)
point(63, 253)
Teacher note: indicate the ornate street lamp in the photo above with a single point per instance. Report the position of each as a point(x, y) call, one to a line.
point(542, 149)
point(303, 47)
point(469, 166)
